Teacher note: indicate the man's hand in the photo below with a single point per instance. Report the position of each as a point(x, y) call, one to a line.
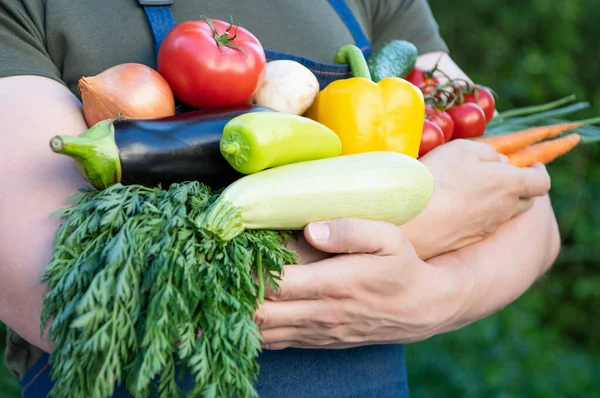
point(380, 292)
point(476, 192)
point(383, 293)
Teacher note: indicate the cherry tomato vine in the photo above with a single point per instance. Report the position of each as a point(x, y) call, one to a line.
point(459, 107)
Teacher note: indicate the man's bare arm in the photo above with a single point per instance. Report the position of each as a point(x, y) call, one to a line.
point(499, 269)
point(444, 62)
point(33, 184)
point(382, 293)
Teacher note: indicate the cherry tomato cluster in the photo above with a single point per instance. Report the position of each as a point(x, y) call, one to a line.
point(454, 109)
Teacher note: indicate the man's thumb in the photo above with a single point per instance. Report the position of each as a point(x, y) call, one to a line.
point(352, 235)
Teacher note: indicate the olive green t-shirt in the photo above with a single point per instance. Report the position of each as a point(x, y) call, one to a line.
point(67, 39)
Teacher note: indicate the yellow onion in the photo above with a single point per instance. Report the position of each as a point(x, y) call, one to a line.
point(126, 90)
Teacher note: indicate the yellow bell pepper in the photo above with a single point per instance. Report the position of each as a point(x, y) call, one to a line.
point(368, 116)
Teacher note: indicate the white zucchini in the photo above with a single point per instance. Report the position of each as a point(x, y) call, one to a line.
point(387, 186)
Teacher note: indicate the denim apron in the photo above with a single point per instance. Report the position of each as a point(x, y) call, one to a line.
point(377, 371)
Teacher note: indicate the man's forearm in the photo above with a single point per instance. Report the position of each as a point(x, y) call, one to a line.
point(444, 62)
point(33, 184)
point(499, 269)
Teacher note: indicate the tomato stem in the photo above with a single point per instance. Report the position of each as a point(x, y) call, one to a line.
point(224, 39)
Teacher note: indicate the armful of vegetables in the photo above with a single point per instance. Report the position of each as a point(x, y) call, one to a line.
point(136, 270)
point(157, 252)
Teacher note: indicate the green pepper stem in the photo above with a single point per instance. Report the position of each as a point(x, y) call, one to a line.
point(231, 148)
point(95, 153)
point(350, 54)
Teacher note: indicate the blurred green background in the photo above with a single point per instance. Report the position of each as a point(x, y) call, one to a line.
point(547, 343)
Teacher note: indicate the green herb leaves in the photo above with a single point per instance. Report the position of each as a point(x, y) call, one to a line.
point(137, 293)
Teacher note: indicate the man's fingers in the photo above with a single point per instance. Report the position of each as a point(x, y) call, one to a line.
point(278, 338)
point(288, 314)
point(530, 182)
point(487, 153)
point(352, 235)
point(534, 180)
point(523, 206)
point(280, 345)
point(302, 282)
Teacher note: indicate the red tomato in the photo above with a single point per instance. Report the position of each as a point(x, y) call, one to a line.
point(469, 120)
point(485, 100)
point(443, 120)
point(211, 68)
point(432, 137)
point(418, 77)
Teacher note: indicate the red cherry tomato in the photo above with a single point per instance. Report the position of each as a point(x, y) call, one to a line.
point(432, 137)
point(443, 120)
point(485, 100)
point(469, 120)
point(420, 78)
point(211, 67)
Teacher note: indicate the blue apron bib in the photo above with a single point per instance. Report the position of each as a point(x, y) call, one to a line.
point(377, 371)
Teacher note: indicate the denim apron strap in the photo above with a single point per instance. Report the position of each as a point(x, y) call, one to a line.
point(349, 19)
point(160, 19)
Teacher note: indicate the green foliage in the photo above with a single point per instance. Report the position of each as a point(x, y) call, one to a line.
point(547, 343)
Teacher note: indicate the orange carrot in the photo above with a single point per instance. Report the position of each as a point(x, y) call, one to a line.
point(544, 152)
point(520, 139)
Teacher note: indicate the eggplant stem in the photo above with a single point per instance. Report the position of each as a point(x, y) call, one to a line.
point(95, 153)
point(57, 144)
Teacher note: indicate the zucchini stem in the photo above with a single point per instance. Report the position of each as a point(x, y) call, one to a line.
point(95, 153)
point(350, 54)
point(223, 219)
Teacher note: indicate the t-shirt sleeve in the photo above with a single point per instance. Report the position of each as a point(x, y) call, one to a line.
point(410, 20)
point(22, 40)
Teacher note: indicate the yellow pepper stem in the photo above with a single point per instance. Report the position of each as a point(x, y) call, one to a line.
point(350, 54)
